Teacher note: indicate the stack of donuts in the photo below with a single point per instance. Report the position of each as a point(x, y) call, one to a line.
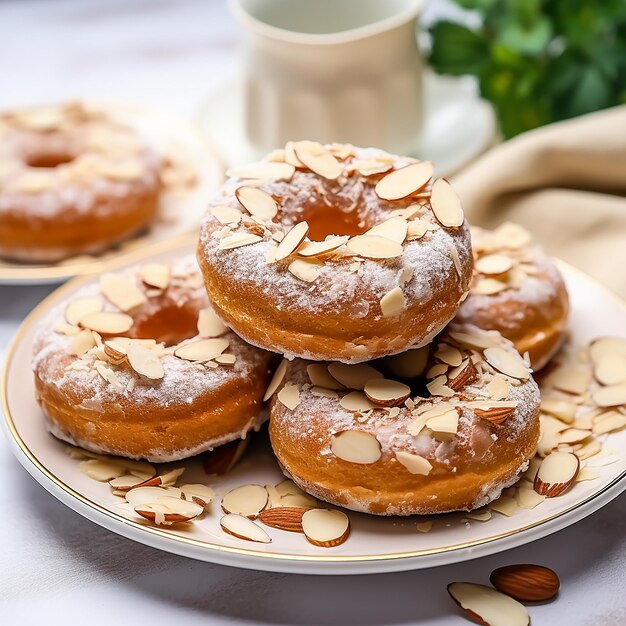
point(340, 292)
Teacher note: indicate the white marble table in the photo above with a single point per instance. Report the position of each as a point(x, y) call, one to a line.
point(56, 567)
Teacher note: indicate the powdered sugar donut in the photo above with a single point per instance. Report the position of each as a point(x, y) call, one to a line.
point(518, 291)
point(335, 252)
point(138, 365)
point(450, 440)
point(73, 180)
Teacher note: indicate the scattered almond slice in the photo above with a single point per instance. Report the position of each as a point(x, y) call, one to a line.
point(449, 354)
point(356, 401)
point(507, 363)
point(415, 463)
point(121, 291)
point(104, 469)
point(292, 241)
point(384, 392)
point(446, 205)
point(77, 309)
point(494, 264)
point(353, 376)
point(505, 505)
point(573, 380)
point(588, 450)
point(561, 409)
point(393, 302)
point(489, 287)
point(276, 381)
point(574, 435)
point(82, 342)
point(528, 498)
point(317, 248)
point(226, 359)
point(263, 170)
point(489, 606)
point(355, 446)
point(404, 181)
point(202, 350)
point(237, 240)
point(257, 202)
point(424, 527)
point(248, 500)
point(155, 275)
point(209, 324)
point(587, 473)
point(479, 515)
point(439, 387)
point(609, 422)
point(243, 528)
point(305, 270)
point(225, 214)
point(446, 422)
point(614, 395)
point(477, 340)
point(107, 323)
point(395, 228)
point(556, 474)
point(169, 510)
point(374, 247)
point(145, 362)
point(198, 493)
point(610, 369)
point(318, 159)
point(289, 396)
point(321, 377)
point(325, 527)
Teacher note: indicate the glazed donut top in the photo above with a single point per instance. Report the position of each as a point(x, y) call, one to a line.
point(65, 155)
point(146, 336)
point(508, 267)
point(480, 390)
point(315, 227)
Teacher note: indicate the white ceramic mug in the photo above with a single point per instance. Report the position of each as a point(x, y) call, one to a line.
point(332, 70)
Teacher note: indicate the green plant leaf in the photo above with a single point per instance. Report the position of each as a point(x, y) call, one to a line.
point(591, 92)
point(532, 39)
point(457, 50)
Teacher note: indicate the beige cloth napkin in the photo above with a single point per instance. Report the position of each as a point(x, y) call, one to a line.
point(566, 183)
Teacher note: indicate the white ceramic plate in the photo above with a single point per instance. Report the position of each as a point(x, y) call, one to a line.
point(375, 545)
point(181, 206)
point(458, 125)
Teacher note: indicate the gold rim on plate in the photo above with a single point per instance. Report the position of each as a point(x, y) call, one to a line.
point(170, 246)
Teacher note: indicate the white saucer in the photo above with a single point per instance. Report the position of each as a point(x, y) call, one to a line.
point(375, 544)
point(458, 125)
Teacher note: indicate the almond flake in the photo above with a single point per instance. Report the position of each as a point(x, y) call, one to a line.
point(145, 362)
point(82, 342)
point(325, 528)
point(307, 271)
point(610, 369)
point(198, 493)
point(505, 505)
point(418, 228)
point(424, 527)
point(225, 214)
point(588, 450)
point(488, 606)
point(556, 474)
point(226, 359)
point(477, 340)
point(289, 396)
point(384, 392)
point(121, 291)
point(561, 409)
point(209, 324)
point(609, 422)
point(257, 202)
point(494, 264)
point(374, 247)
point(318, 159)
point(321, 377)
point(513, 236)
point(108, 375)
point(489, 287)
point(574, 435)
point(292, 241)
point(264, 170)
point(393, 302)
point(415, 463)
point(498, 388)
point(479, 515)
point(448, 354)
point(237, 240)
point(356, 401)
point(404, 181)
point(247, 500)
point(317, 248)
point(355, 446)
point(447, 423)
point(570, 379)
point(202, 350)
point(243, 528)
point(322, 391)
point(439, 387)
point(507, 363)
point(290, 155)
point(394, 228)
point(155, 275)
point(353, 376)
point(79, 308)
point(107, 323)
point(614, 395)
point(528, 498)
point(446, 205)
point(276, 381)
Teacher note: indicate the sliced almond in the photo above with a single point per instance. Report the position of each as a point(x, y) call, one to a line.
point(446, 422)
point(276, 381)
point(325, 527)
point(574, 380)
point(449, 354)
point(505, 505)
point(609, 422)
point(79, 308)
point(198, 493)
point(374, 247)
point(104, 469)
point(384, 392)
point(395, 228)
point(121, 291)
point(155, 275)
point(145, 362)
point(561, 409)
point(415, 463)
point(202, 350)
point(496, 414)
point(292, 241)
point(574, 435)
point(507, 363)
point(605, 346)
point(243, 528)
point(318, 159)
point(610, 369)
point(107, 323)
point(393, 302)
point(289, 396)
point(588, 450)
point(614, 395)
point(463, 375)
point(488, 606)
point(494, 264)
point(489, 287)
point(404, 181)
point(210, 325)
point(446, 205)
point(556, 474)
point(439, 387)
point(321, 377)
point(356, 401)
point(528, 498)
point(284, 518)
point(169, 510)
point(264, 170)
point(237, 240)
point(317, 248)
point(355, 446)
point(257, 202)
point(247, 500)
point(226, 359)
point(226, 214)
point(477, 340)
point(305, 270)
point(353, 376)
point(82, 342)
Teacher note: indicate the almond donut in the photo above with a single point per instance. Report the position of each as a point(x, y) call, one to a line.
point(73, 180)
point(447, 441)
point(518, 291)
point(138, 365)
point(335, 252)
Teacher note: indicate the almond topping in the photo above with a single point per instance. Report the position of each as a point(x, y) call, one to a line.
point(446, 423)
point(305, 270)
point(393, 302)
point(610, 369)
point(145, 362)
point(107, 323)
point(203, 350)
point(353, 376)
point(494, 264)
point(198, 493)
point(257, 202)
point(415, 463)
point(610, 396)
point(325, 527)
point(404, 181)
point(374, 247)
point(225, 214)
point(169, 510)
point(121, 291)
point(556, 474)
point(497, 413)
point(386, 392)
point(243, 528)
point(317, 248)
point(446, 205)
point(247, 500)
point(573, 435)
point(321, 377)
point(571, 379)
point(82, 342)
point(238, 240)
point(292, 241)
point(489, 287)
point(395, 228)
point(79, 308)
point(289, 396)
point(155, 275)
point(462, 376)
point(264, 170)
point(318, 159)
point(609, 422)
point(507, 363)
point(355, 446)
point(356, 401)
point(277, 379)
point(209, 324)
point(449, 354)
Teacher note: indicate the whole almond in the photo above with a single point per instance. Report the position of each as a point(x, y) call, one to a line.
point(284, 518)
point(528, 583)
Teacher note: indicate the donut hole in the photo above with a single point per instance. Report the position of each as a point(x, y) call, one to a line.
point(169, 323)
point(324, 220)
point(49, 159)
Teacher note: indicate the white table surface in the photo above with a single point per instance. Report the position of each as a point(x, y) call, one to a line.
point(58, 568)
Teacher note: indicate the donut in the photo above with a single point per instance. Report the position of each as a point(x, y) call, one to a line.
point(456, 424)
point(138, 365)
point(335, 252)
point(73, 180)
point(518, 291)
